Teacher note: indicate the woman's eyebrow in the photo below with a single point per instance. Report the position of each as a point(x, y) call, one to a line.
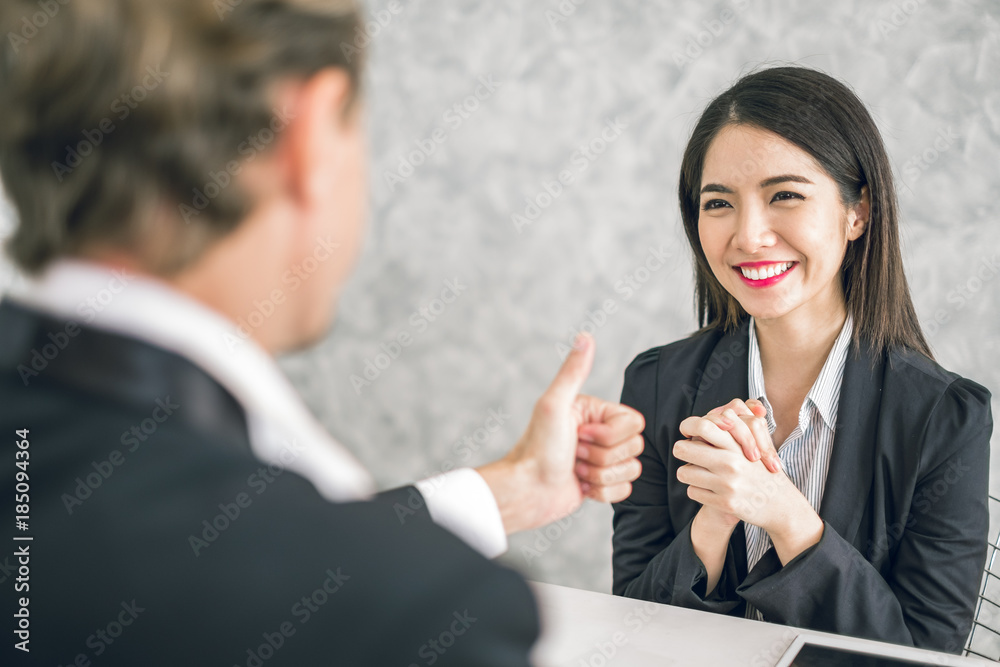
point(766, 183)
point(784, 178)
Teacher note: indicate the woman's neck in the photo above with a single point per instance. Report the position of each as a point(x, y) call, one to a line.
point(796, 345)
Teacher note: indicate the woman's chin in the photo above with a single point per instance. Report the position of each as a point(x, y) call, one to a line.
point(762, 312)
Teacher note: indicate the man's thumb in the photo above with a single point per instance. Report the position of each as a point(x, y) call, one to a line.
point(574, 371)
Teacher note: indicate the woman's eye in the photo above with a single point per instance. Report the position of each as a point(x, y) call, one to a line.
point(786, 196)
point(714, 203)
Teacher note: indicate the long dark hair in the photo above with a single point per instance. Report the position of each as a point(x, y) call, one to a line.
point(826, 119)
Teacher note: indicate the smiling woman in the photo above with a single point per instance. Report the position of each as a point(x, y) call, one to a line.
point(788, 203)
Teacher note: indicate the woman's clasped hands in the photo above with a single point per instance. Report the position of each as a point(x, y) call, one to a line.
point(733, 470)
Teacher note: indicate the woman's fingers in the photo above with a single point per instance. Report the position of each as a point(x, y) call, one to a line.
point(694, 475)
point(713, 459)
point(762, 435)
point(736, 405)
point(706, 497)
point(742, 434)
point(709, 431)
point(736, 418)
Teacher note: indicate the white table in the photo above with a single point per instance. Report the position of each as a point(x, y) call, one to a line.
point(587, 629)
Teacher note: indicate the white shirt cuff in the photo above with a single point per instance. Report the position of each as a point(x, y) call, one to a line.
point(461, 501)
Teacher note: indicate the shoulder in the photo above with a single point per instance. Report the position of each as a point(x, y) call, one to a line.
point(684, 356)
point(653, 376)
point(919, 378)
point(951, 414)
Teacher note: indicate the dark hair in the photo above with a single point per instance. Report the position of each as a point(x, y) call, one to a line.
point(826, 119)
point(115, 112)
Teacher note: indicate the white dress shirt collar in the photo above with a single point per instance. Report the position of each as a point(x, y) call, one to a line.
point(282, 430)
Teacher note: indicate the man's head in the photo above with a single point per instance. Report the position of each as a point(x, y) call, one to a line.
point(216, 145)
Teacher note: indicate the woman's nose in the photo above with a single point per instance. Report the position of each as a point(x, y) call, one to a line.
point(752, 230)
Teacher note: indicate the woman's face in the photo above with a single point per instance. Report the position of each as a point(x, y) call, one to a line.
point(772, 225)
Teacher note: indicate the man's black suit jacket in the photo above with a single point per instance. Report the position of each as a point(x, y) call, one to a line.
point(160, 540)
point(904, 507)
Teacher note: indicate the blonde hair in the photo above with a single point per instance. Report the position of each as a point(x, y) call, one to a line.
point(114, 111)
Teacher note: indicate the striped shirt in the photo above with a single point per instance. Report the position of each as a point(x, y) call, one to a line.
point(805, 454)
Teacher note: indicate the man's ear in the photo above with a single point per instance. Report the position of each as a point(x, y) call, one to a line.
point(319, 122)
point(857, 216)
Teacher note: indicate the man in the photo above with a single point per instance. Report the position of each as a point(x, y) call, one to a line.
point(172, 501)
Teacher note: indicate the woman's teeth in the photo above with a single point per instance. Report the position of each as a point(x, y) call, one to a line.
point(762, 272)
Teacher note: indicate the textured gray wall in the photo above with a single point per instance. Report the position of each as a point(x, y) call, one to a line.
point(929, 71)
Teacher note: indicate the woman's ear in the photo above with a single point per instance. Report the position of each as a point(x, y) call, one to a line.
point(857, 216)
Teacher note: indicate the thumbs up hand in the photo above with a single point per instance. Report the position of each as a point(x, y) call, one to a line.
point(575, 446)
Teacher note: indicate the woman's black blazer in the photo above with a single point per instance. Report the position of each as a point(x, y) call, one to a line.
point(904, 507)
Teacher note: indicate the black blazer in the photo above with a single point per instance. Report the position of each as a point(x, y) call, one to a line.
point(904, 507)
point(136, 454)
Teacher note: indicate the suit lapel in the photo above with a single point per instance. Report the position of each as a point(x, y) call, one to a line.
point(724, 376)
point(849, 479)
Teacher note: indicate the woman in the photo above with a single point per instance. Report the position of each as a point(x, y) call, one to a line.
point(875, 523)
